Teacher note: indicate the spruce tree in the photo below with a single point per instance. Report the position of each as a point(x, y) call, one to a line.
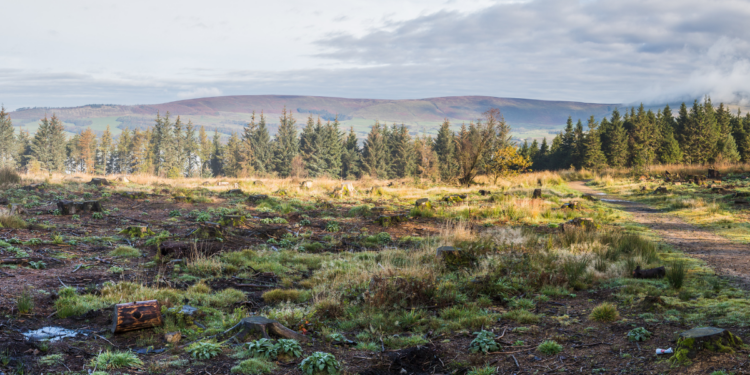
point(23, 148)
point(742, 138)
point(642, 138)
point(310, 147)
point(351, 157)
point(191, 149)
point(445, 148)
point(374, 153)
point(262, 151)
point(669, 150)
point(216, 155)
point(332, 148)
point(524, 150)
point(618, 150)
point(141, 161)
point(567, 147)
point(539, 162)
point(206, 149)
point(699, 134)
point(231, 157)
point(579, 149)
point(286, 144)
point(402, 154)
point(48, 145)
point(104, 157)
point(8, 144)
point(533, 149)
point(161, 145)
point(594, 156)
point(124, 152)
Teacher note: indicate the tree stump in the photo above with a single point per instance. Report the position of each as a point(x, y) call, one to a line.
point(306, 185)
point(73, 208)
point(713, 173)
point(99, 182)
point(256, 198)
point(537, 194)
point(423, 202)
point(136, 315)
point(264, 326)
point(704, 338)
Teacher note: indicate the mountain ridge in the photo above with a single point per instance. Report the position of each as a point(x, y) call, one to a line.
point(532, 117)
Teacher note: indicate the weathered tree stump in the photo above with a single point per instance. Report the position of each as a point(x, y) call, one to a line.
point(136, 315)
point(72, 208)
point(423, 203)
point(537, 194)
point(33, 187)
point(99, 182)
point(661, 190)
point(713, 173)
point(256, 198)
point(263, 326)
point(306, 185)
point(579, 222)
point(571, 205)
point(704, 338)
point(386, 221)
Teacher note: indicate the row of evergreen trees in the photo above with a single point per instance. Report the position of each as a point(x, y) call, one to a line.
point(171, 148)
point(698, 135)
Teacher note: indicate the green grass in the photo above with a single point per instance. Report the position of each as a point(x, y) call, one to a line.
point(605, 312)
point(254, 366)
point(116, 360)
point(549, 347)
point(125, 252)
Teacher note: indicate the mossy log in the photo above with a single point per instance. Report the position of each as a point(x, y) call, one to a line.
point(73, 208)
point(703, 338)
point(136, 315)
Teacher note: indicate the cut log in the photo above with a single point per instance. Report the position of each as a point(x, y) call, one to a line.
point(136, 315)
point(704, 338)
point(264, 326)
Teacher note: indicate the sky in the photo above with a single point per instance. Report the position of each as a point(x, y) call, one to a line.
point(77, 52)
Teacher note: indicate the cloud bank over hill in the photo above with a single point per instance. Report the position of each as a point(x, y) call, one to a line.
point(606, 51)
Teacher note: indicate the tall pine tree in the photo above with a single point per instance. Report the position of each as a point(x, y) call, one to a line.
point(286, 144)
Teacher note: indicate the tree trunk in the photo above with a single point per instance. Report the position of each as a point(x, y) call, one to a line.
point(136, 315)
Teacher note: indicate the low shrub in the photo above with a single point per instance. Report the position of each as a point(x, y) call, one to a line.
point(254, 366)
point(114, 360)
point(263, 348)
point(639, 334)
point(484, 342)
point(320, 363)
point(125, 252)
point(204, 350)
point(285, 295)
point(606, 312)
point(549, 347)
point(9, 176)
point(12, 222)
point(676, 274)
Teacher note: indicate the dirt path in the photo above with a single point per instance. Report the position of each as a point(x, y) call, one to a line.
point(726, 258)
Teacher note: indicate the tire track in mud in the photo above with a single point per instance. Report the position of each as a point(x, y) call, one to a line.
point(722, 255)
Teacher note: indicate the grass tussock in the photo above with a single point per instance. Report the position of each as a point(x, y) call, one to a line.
point(12, 222)
point(605, 312)
point(9, 176)
point(125, 252)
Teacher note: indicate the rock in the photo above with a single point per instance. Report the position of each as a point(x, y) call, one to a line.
point(537, 194)
point(713, 339)
point(189, 310)
point(661, 190)
point(653, 273)
point(579, 222)
point(256, 198)
point(173, 337)
point(306, 185)
point(442, 249)
point(423, 203)
point(571, 205)
point(74, 208)
point(99, 182)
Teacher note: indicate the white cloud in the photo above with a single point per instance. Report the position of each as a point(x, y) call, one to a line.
point(200, 92)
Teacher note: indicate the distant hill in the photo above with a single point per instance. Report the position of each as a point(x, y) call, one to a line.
point(528, 118)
